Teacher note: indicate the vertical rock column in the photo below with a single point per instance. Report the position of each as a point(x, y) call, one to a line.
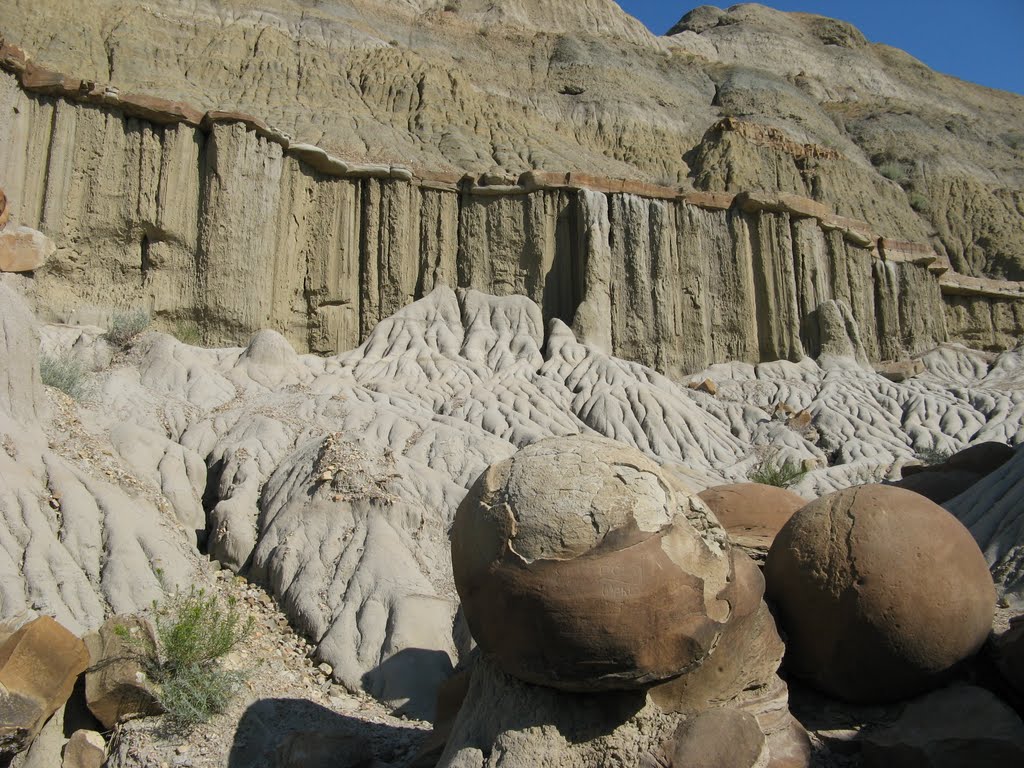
point(592, 322)
point(317, 296)
point(390, 257)
point(775, 290)
point(439, 240)
point(238, 238)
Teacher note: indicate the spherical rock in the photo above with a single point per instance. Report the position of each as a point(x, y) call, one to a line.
point(582, 566)
point(880, 592)
point(752, 513)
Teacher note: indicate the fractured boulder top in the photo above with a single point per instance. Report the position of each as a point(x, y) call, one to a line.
point(582, 566)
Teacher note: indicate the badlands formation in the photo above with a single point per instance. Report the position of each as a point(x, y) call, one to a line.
point(501, 309)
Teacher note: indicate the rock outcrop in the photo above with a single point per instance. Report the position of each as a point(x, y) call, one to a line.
point(752, 513)
point(39, 665)
point(582, 566)
point(991, 509)
point(880, 591)
point(711, 275)
point(957, 726)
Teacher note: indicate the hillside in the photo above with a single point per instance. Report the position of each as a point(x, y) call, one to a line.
point(539, 84)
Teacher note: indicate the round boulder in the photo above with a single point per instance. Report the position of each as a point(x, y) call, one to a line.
point(582, 566)
point(880, 591)
point(752, 513)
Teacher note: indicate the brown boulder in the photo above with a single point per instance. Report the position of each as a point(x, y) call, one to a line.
point(38, 667)
point(747, 655)
point(23, 249)
point(959, 727)
point(5, 211)
point(116, 687)
point(939, 487)
point(752, 513)
point(582, 566)
point(880, 592)
point(717, 738)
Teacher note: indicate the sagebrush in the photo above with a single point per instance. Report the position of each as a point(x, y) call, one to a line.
point(194, 632)
point(65, 372)
point(771, 471)
point(125, 326)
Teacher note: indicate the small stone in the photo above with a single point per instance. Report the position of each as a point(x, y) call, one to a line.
point(85, 749)
point(326, 668)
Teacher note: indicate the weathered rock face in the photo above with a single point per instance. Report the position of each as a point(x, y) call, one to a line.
point(38, 667)
point(665, 282)
point(21, 389)
point(342, 245)
point(417, 83)
point(582, 566)
point(752, 513)
point(991, 509)
point(115, 686)
point(880, 592)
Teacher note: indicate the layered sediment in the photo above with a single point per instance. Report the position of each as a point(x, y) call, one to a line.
point(220, 219)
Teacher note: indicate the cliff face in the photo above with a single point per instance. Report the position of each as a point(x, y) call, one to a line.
point(477, 86)
point(227, 227)
point(216, 217)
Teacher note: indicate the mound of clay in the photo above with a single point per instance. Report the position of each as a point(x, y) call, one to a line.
point(582, 566)
point(880, 592)
point(752, 513)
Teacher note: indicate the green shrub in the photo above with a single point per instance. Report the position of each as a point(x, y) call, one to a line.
point(64, 372)
point(125, 326)
point(893, 171)
point(194, 632)
point(919, 202)
point(932, 456)
point(188, 332)
point(769, 471)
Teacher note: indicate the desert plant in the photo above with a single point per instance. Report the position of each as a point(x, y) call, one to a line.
point(932, 456)
point(770, 471)
point(65, 372)
point(918, 202)
point(893, 171)
point(187, 332)
point(193, 633)
point(125, 326)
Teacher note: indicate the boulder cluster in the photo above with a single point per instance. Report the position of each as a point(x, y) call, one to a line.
point(584, 567)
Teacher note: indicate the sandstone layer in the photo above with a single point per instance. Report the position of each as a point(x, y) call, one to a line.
point(247, 202)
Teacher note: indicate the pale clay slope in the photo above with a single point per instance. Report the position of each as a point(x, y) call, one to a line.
point(474, 86)
point(334, 480)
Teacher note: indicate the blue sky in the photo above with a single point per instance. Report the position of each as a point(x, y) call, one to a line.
point(980, 40)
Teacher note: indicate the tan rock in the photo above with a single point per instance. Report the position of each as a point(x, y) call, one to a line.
point(899, 370)
point(752, 513)
point(717, 738)
point(880, 592)
point(39, 665)
point(746, 658)
point(706, 385)
point(582, 566)
point(5, 212)
point(23, 249)
point(85, 749)
point(939, 487)
point(116, 688)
